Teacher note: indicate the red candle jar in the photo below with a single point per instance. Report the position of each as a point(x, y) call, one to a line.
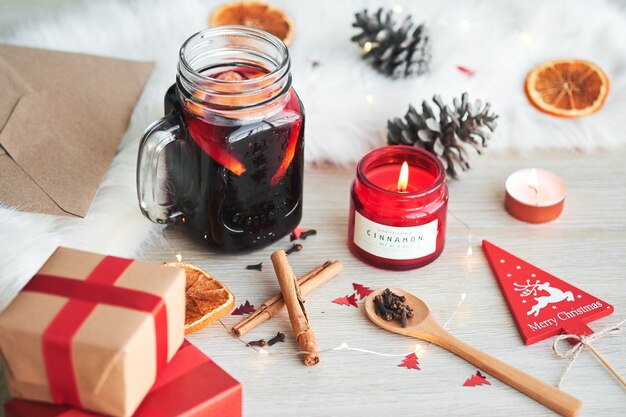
point(398, 223)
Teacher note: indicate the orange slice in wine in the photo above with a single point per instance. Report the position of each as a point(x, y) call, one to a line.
point(567, 88)
point(255, 14)
point(290, 152)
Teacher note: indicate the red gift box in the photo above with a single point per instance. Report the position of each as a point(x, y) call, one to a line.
point(191, 385)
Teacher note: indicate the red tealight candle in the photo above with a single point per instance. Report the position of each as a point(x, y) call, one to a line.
point(398, 208)
point(534, 195)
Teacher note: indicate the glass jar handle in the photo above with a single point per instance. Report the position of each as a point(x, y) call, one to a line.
point(155, 139)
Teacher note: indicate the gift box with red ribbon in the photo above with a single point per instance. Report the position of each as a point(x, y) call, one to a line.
point(192, 385)
point(92, 331)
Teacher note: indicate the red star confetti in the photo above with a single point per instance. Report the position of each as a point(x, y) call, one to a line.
point(245, 308)
point(478, 379)
point(348, 300)
point(410, 362)
point(362, 290)
point(466, 70)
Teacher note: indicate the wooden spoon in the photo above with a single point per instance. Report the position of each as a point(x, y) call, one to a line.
point(423, 326)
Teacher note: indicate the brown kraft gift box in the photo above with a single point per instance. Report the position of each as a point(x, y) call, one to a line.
point(92, 331)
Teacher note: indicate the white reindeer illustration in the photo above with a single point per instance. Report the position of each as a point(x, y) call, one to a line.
point(555, 296)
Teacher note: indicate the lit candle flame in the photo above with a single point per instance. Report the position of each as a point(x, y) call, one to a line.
point(533, 180)
point(403, 179)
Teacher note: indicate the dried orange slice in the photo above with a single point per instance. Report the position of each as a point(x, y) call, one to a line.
point(256, 14)
point(567, 88)
point(207, 299)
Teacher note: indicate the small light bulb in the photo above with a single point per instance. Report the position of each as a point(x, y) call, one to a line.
point(418, 347)
point(263, 351)
point(469, 251)
point(369, 98)
point(367, 46)
point(397, 9)
point(179, 257)
point(463, 296)
point(525, 37)
point(343, 346)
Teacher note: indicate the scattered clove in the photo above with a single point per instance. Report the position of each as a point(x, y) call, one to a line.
point(259, 343)
point(280, 337)
point(295, 248)
point(299, 233)
point(257, 267)
point(307, 233)
point(390, 306)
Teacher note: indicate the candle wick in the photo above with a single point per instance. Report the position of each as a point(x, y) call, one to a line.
point(532, 187)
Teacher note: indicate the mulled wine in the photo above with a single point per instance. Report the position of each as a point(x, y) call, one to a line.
point(234, 157)
point(238, 186)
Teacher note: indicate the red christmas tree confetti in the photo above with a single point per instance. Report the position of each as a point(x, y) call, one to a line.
point(466, 70)
point(478, 379)
point(410, 361)
point(296, 233)
point(348, 300)
point(542, 304)
point(245, 308)
point(362, 290)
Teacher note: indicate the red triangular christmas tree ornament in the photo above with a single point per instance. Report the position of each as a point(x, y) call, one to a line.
point(542, 304)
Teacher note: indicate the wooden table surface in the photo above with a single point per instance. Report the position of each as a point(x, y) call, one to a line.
point(585, 246)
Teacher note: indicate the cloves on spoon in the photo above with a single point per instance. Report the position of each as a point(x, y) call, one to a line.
point(424, 326)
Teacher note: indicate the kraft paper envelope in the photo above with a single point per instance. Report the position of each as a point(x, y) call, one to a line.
point(62, 116)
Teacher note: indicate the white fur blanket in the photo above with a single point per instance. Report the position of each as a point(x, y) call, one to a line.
point(500, 41)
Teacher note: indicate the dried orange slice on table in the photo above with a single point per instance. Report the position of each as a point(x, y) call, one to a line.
point(207, 299)
point(255, 14)
point(567, 88)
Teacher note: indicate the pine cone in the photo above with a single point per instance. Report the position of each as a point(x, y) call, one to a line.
point(394, 50)
point(447, 134)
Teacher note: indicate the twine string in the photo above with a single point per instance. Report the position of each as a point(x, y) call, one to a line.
point(583, 342)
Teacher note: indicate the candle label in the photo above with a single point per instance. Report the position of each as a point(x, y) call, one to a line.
point(394, 242)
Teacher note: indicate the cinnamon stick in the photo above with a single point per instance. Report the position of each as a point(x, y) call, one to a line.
point(276, 304)
point(295, 307)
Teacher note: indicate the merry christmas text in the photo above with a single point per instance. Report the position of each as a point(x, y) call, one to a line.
point(564, 315)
